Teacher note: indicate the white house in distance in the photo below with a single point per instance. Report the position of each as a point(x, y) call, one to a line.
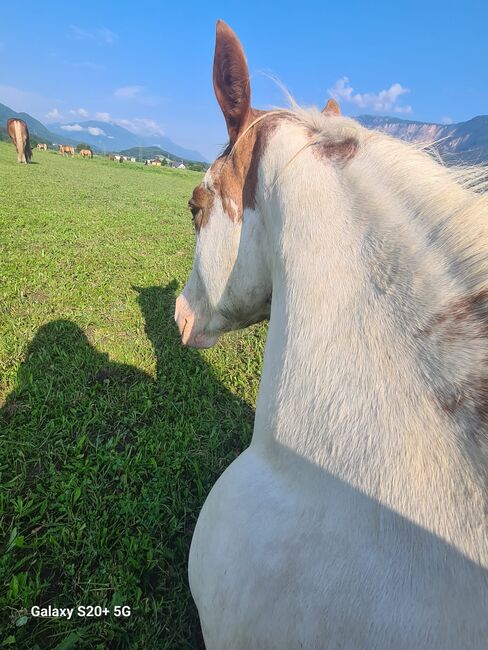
point(160, 160)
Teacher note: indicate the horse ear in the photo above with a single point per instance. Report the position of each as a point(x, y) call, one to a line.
point(332, 108)
point(231, 80)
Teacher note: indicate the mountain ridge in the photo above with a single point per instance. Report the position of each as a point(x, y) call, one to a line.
point(104, 136)
point(110, 136)
point(36, 128)
point(461, 142)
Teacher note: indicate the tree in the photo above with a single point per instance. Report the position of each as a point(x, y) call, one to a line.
point(82, 145)
point(197, 167)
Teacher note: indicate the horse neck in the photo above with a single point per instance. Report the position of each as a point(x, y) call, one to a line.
point(344, 378)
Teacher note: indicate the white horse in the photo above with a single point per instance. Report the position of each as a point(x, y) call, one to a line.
point(357, 518)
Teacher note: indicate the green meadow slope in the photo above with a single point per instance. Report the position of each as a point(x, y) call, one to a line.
point(111, 433)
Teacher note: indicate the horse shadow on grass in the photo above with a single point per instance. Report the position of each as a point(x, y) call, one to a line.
point(114, 467)
point(104, 471)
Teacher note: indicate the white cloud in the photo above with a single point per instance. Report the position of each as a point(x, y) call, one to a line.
point(103, 117)
point(102, 35)
point(128, 92)
point(141, 126)
point(93, 130)
point(54, 114)
point(384, 100)
point(446, 120)
point(403, 109)
point(81, 112)
point(107, 35)
point(72, 127)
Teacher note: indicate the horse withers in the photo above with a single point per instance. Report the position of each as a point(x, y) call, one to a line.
point(357, 517)
point(19, 134)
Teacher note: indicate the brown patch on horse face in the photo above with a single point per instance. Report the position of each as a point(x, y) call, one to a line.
point(234, 174)
point(466, 321)
point(201, 204)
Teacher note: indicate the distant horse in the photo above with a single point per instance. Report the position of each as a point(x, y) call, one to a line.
point(66, 149)
point(19, 134)
point(357, 518)
point(41, 146)
point(86, 153)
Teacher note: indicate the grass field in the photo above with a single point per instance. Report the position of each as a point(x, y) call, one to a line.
point(112, 434)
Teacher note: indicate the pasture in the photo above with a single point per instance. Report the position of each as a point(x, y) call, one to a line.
point(112, 434)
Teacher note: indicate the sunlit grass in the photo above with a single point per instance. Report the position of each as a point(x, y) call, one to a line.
point(111, 433)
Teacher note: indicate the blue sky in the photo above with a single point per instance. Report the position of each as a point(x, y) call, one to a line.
point(148, 65)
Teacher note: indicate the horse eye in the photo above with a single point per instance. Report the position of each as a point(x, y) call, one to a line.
point(194, 211)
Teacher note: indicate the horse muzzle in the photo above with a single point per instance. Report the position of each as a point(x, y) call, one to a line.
point(187, 324)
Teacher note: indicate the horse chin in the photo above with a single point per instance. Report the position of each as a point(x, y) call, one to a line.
point(201, 340)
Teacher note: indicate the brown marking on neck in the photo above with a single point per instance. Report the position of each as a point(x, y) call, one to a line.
point(339, 152)
point(463, 323)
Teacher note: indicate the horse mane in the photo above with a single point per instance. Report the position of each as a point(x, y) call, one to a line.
point(448, 205)
point(452, 201)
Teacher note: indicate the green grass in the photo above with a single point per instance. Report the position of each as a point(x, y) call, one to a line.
point(111, 433)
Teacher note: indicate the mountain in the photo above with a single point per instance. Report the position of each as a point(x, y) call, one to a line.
point(108, 136)
point(104, 136)
point(462, 142)
point(465, 142)
point(36, 128)
point(168, 145)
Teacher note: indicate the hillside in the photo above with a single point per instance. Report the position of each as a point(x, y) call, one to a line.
point(108, 136)
point(462, 142)
point(102, 136)
point(145, 153)
point(36, 128)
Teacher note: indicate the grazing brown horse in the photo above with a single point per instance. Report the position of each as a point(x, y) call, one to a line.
point(19, 134)
point(86, 153)
point(66, 149)
point(42, 146)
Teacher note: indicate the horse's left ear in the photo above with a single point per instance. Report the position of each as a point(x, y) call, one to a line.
point(331, 108)
point(231, 80)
